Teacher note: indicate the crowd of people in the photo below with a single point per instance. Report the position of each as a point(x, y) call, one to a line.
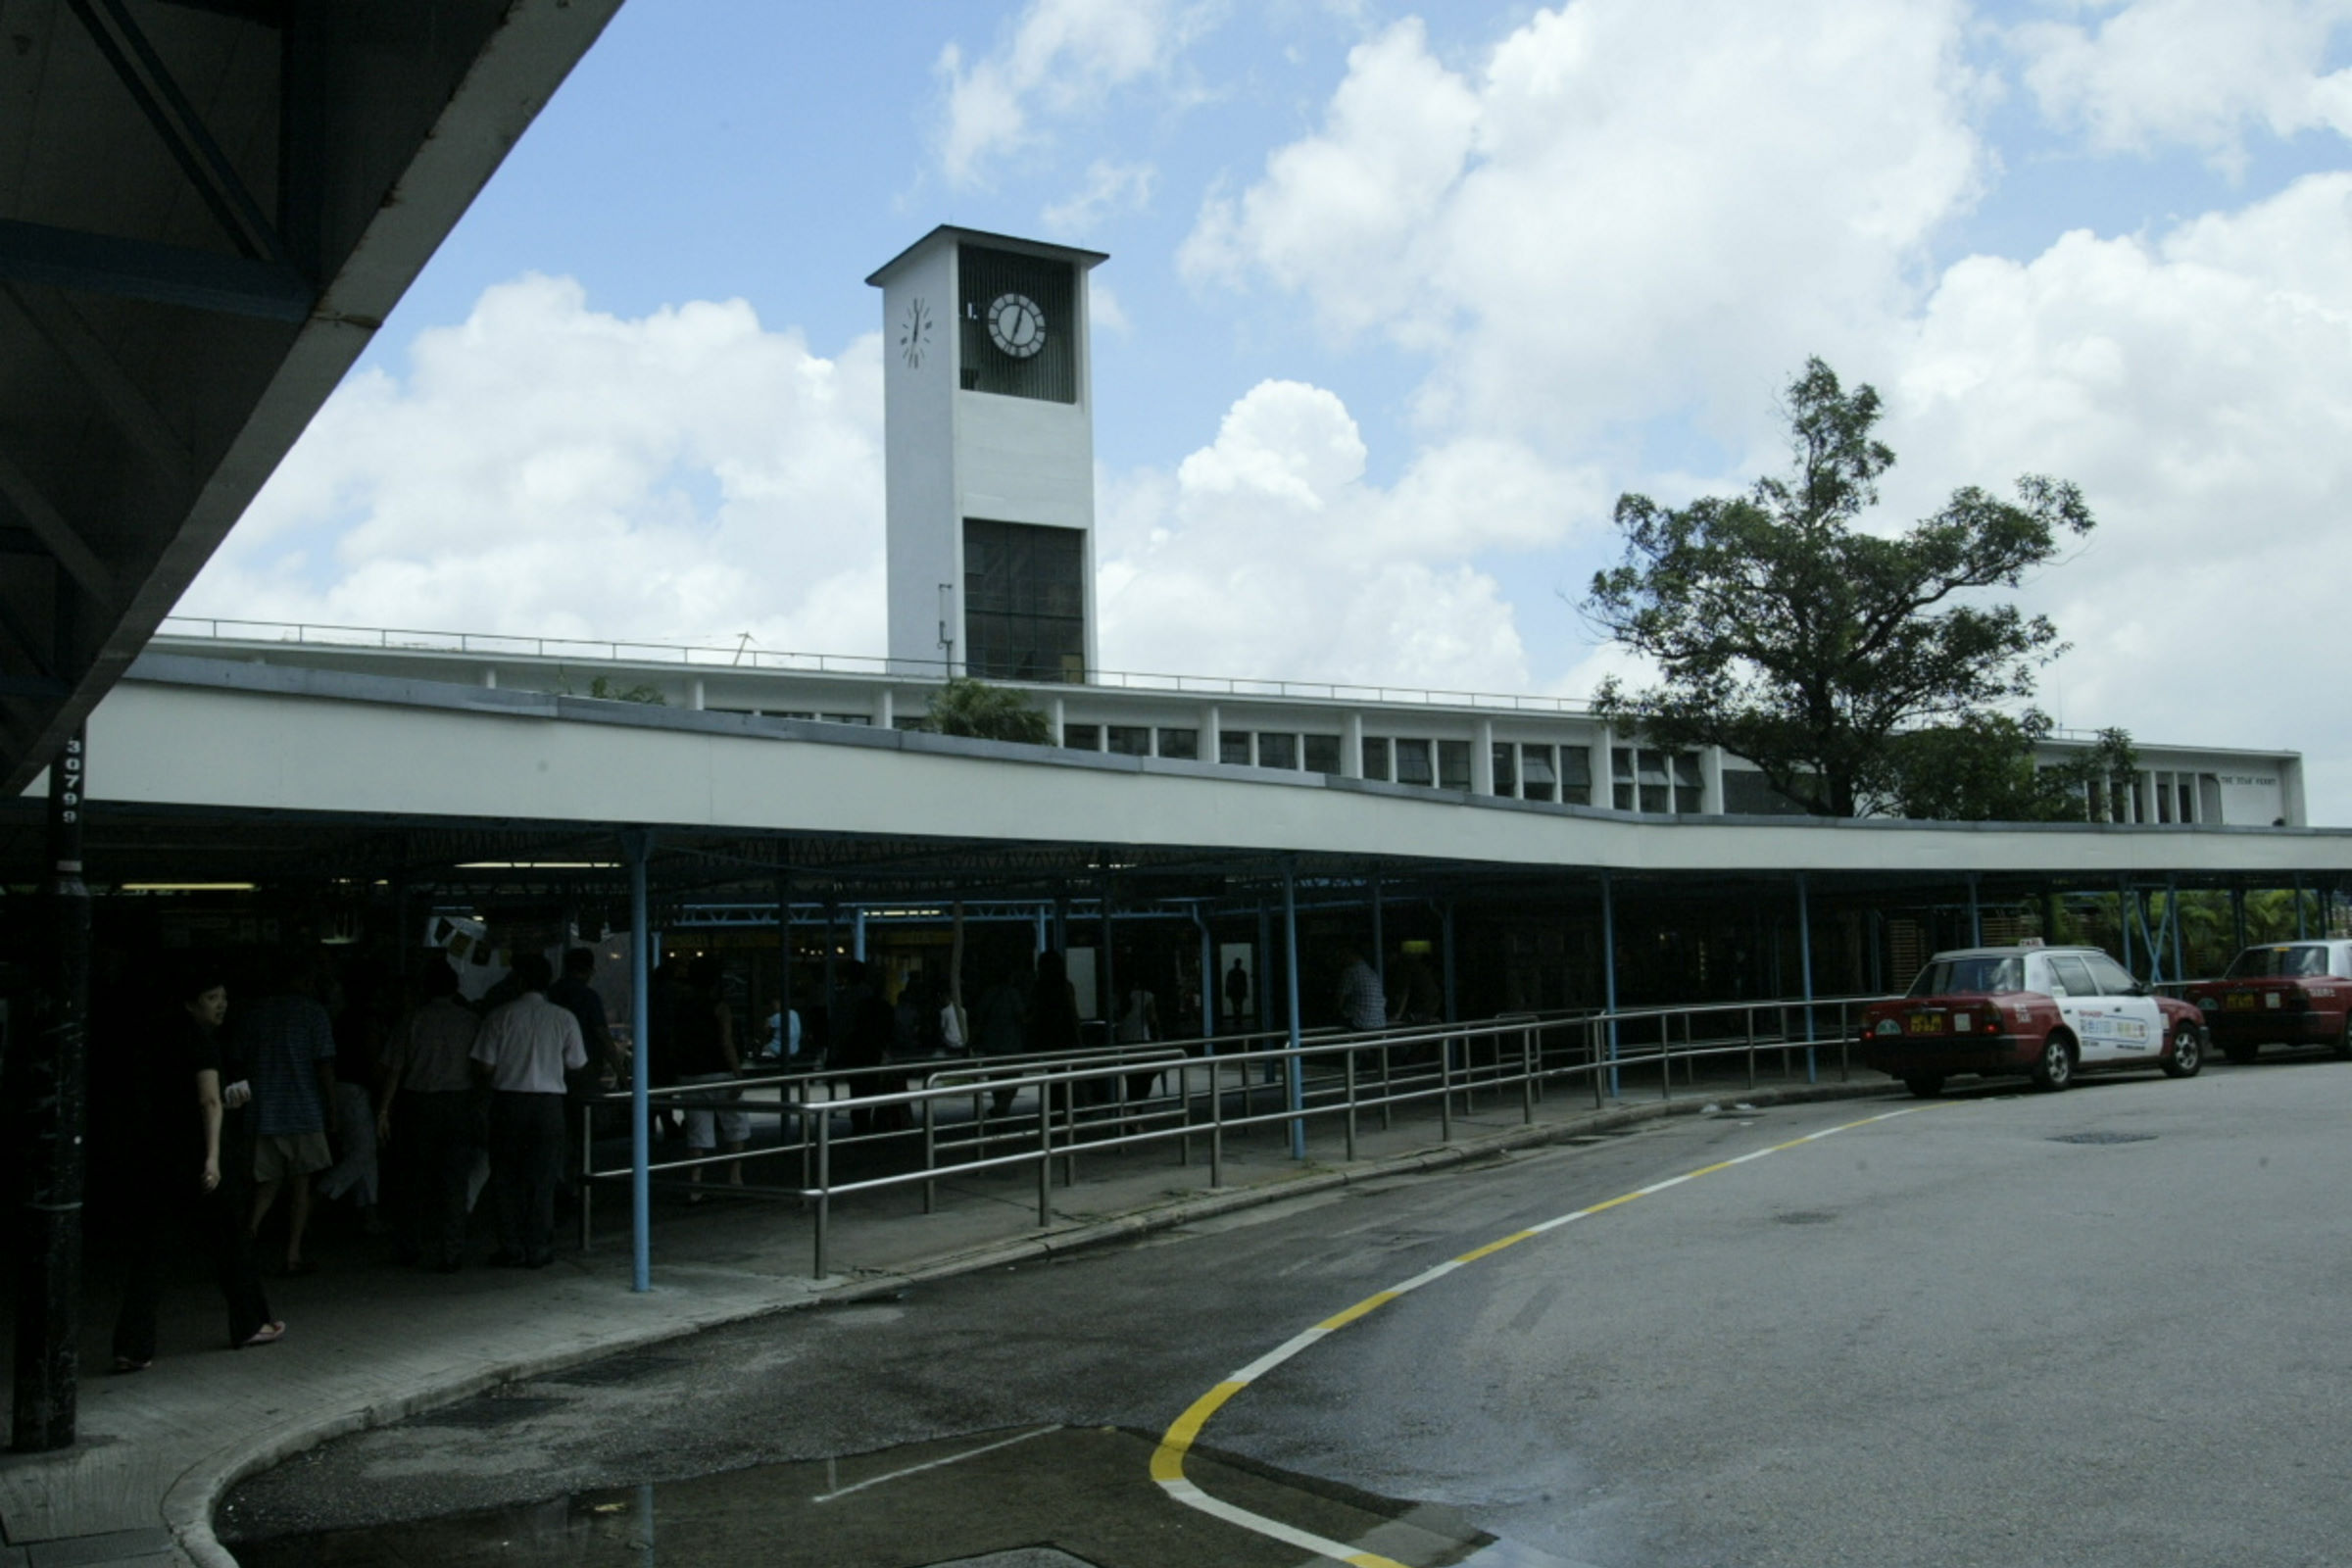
point(251, 1101)
point(230, 1120)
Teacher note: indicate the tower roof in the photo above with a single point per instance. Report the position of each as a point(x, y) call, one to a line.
point(948, 232)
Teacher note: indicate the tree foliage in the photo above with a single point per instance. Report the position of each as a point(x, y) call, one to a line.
point(1981, 769)
point(974, 709)
point(1793, 638)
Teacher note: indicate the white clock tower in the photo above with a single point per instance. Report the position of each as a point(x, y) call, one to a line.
point(988, 442)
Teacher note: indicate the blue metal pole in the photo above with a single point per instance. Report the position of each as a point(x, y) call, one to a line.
point(858, 933)
point(2172, 914)
point(1380, 944)
point(1290, 946)
point(636, 845)
point(1209, 981)
point(1976, 915)
point(1804, 961)
point(1608, 970)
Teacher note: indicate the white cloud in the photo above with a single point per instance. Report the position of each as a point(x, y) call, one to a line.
point(1628, 207)
point(2196, 74)
point(2199, 387)
point(1062, 55)
point(546, 469)
point(1268, 547)
point(1110, 187)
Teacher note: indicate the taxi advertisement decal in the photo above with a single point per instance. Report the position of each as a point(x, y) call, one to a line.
point(2113, 1029)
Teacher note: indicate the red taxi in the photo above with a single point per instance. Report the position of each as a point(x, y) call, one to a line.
point(2292, 993)
point(2045, 1013)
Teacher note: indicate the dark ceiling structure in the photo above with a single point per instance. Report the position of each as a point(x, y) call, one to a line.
point(207, 209)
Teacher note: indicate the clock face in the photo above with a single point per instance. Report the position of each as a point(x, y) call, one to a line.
point(1016, 325)
point(914, 333)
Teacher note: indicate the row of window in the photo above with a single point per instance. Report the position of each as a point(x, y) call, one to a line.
point(2160, 797)
point(1527, 770)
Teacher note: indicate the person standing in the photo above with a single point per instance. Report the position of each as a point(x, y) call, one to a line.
point(429, 1082)
point(1236, 994)
point(1362, 1004)
point(1001, 1026)
point(1138, 1025)
point(289, 1042)
point(576, 994)
point(701, 1043)
point(192, 1149)
point(524, 1050)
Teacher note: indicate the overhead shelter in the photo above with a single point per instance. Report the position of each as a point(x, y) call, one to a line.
point(207, 209)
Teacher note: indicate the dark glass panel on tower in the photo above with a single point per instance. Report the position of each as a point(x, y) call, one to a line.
point(1025, 601)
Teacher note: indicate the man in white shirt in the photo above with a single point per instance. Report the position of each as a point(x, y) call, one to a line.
point(522, 1050)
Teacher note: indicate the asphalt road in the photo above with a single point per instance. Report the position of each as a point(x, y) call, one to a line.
point(2091, 1328)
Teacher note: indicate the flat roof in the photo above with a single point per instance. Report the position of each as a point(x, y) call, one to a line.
point(1085, 259)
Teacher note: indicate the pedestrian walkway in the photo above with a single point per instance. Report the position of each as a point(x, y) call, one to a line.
point(370, 1343)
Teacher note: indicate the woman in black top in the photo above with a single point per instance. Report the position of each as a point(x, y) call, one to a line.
point(203, 1159)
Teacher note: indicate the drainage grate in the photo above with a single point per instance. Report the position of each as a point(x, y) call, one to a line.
point(2104, 1138)
point(493, 1411)
point(615, 1370)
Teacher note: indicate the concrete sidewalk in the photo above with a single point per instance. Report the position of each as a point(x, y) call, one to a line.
point(369, 1343)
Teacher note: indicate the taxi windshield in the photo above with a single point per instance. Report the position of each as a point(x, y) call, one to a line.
point(1946, 977)
point(2269, 963)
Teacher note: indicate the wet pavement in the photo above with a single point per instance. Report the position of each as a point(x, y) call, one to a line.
point(371, 1344)
point(2076, 1330)
point(1058, 1495)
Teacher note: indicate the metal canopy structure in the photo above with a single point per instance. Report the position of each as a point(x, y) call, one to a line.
point(207, 207)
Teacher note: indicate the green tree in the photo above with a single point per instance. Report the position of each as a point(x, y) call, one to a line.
point(1983, 769)
point(975, 709)
point(1793, 638)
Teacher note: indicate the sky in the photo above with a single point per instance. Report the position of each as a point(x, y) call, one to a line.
point(1399, 302)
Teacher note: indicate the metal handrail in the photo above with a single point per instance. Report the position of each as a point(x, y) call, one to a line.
point(699, 656)
point(1529, 1052)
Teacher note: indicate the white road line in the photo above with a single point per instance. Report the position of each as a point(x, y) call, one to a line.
point(953, 1459)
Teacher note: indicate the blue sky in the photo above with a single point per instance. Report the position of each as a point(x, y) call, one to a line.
point(1398, 301)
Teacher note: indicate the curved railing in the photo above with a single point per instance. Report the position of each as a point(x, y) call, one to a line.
point(693, 656)
point(1205, 1091)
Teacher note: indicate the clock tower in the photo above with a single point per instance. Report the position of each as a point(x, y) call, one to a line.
point(989, 457)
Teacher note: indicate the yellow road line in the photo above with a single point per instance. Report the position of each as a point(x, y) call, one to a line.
point(1167, 1460)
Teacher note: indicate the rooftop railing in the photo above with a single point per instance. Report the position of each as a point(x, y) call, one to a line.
point(694, 658)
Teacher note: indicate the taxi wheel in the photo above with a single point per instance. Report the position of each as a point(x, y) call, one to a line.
point(2187, 1053)
point(1926, 1085)
point(2057, 1068)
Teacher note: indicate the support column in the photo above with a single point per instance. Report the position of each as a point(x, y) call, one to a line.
point(2302, 927)
point(2238, 914)
point(1608, 970)
point(1380, 941)
point(1264, 953)
point(1294, 1075)
point(1211, 982)
point(1446, 935)
point(47, 1083)
point(1976, 915)
point(858, 933)
point(1482, 757)
point(1804, 967)
point(1351, 745)
point(2123, 918)
point(2049, 915)
point(636, 845)
point(1107, 980)
point(784, 958)
point(2172, 916)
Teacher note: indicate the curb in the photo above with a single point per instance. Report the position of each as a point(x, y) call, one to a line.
point(189, 1504)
